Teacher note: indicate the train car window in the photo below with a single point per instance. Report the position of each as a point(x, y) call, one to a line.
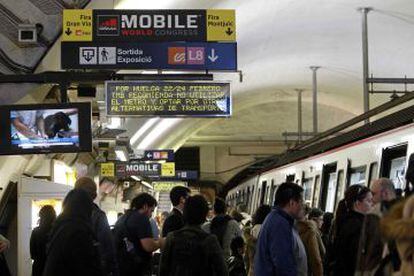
point(268, 195)
point(339, 187)
point(328, 186)
point(357, 176)
point(290, 178)
point(373, 172)
point(397, 172)
point(316, 191)
point(307, 190)
point(393, 164)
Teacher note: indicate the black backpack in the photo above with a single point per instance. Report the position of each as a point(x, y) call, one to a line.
point(189, 253)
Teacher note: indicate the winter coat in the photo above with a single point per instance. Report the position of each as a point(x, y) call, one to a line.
point(315, 250)
point(38, 241)
point(72, 250)
point(174, 221)
point(191, 251)
point(398, 225)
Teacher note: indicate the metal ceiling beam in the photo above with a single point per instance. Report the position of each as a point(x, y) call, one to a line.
point(95, 77)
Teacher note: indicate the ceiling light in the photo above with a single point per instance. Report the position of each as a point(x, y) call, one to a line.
point(146, 184)
point(121, 153)
point(143, 129)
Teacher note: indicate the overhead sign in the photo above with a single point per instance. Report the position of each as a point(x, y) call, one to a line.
point(158, 25)
point(143, 98)
point(186, 175)
point(221, 25)
point(133, 55)
point(108, 169)
point(138, 169)
point(77, 25)
point(159, 155)
point(168, 169)
point(166, 186)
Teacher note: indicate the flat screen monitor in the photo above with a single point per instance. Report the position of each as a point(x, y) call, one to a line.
point(45, 128)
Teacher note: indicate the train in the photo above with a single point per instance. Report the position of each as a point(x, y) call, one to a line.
point(325, 168)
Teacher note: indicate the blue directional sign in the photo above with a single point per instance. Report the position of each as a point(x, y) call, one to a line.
point(156, 155)
point(150, 55)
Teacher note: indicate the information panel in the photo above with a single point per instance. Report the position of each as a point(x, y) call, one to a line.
point(169, 99)
point(149, 25)
point(161, 55)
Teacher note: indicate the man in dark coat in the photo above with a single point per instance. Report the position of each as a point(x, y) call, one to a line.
point(191, 251)
point(174, 221)
point(101, 228)
point(72, 249)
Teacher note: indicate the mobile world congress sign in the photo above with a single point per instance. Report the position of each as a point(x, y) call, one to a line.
point(150, 55)
point(168, 99)
point(149, 25)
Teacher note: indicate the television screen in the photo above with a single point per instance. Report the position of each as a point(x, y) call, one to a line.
point(45, 128)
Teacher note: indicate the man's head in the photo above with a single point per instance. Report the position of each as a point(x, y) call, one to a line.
point(144, 203)
point(237, 246)
point(178, 196)
point(289, 197)
point(382, 190)
point(195, 210)
point(219, 206)
point(88, 185)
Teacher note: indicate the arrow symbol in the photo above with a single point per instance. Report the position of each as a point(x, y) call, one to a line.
point(68, 31)
point(149, 155)
point(229, 31)
point(213, 57)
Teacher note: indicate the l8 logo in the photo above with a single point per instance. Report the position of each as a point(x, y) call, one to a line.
point(186, 55)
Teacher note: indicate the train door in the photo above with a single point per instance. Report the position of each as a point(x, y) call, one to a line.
point(272, 192)
point(340, 181)
point(307, 190)
point(316, 191)
point(263, 193)
point(328, 185)
point(393, 164)
point(32, 194)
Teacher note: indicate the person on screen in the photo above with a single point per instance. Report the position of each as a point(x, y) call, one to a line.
point(28, 123)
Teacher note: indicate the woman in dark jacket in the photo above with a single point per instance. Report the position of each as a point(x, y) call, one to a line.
point(40, 237)
point(73, 248)
point(349, 220)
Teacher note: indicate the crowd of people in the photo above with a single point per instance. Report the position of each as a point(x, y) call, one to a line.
point(371, 233)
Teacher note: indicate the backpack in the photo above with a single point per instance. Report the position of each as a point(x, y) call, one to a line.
point(127, 255)
point(189, 253)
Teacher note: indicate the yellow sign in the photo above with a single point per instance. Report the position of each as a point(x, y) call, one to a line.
point(168, 169)
point(107, 169)
point(166, 186)
point(77, 25)
point(221, 25)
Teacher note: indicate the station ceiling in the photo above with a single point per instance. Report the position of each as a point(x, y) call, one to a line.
point(277, 43)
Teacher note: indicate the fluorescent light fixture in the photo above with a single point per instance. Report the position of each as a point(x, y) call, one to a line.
point(121, 154)
point(142, 130)
point(146, 184)
point(158, 131)
point(136, 178)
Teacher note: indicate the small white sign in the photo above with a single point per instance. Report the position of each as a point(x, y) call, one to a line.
point(87, 55)
point(107, 55)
